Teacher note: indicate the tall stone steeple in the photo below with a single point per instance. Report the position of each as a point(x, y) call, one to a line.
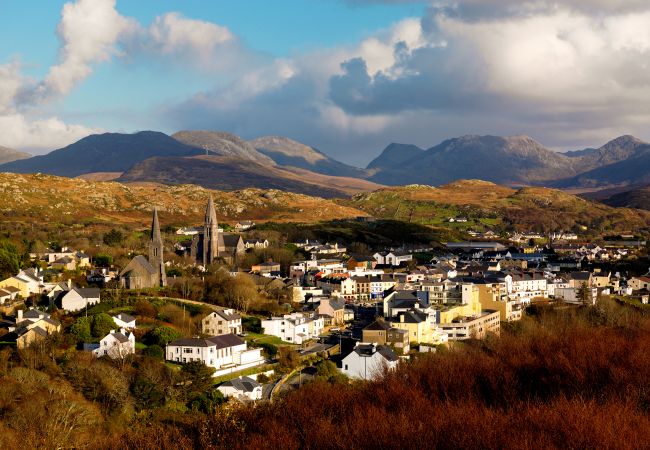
point(156, 249)
point(210, 234)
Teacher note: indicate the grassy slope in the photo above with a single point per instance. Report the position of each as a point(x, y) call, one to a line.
point(58, 199)
point(488, 204)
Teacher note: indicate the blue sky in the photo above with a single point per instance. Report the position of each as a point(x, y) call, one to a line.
point(346, 76)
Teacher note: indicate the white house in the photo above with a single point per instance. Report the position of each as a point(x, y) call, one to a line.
point(392, 258)
point(116, 345)
point(226, 353)
point(125, 321)
point(525, 286)
point(295, 328)
point(243, 388)
point(368, 361)
point(77, 299)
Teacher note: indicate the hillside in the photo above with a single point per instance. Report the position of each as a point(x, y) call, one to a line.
point(223, 144)
point(9, 154)
point(108, 152)
point(638, 197)
point(287, 152)
point(488, 205)
point(227, 173)
point(57, 199)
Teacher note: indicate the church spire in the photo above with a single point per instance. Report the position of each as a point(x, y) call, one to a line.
point(156, 249)
point(210, 234)
point(155, 226)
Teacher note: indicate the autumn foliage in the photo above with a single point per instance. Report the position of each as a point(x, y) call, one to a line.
point(561, 378)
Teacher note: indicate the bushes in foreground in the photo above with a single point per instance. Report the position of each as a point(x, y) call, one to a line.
point(564, 379)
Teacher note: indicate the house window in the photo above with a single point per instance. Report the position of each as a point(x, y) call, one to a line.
point(346, 367)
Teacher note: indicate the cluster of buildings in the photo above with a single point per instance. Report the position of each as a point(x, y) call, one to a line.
point(64, 259)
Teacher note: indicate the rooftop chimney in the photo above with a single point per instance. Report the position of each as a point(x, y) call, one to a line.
point(20, 315)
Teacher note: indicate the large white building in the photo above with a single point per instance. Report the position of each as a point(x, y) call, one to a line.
point(369, 361)
point(295, 328)
point(226, 353)
point(525, 286)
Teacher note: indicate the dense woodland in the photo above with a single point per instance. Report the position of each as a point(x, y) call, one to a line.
point(561, 378)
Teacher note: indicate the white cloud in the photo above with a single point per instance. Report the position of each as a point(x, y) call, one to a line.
point(10, 83)
point(174, 34)
point(40, 134)
point(89, 31)
point(557, 70)
point(93, 32)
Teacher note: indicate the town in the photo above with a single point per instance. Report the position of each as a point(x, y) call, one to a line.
point(217, 303)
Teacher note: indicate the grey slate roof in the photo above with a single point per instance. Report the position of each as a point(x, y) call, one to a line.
point(412, 316)
point(125, 317)
point(244, 384)
point(142, 262)
point(378, 325)
point(226, 340)
point(88, 292)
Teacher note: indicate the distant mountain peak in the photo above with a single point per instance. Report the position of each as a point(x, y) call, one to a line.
point(221, 143)
point(288, 147)
point(623, 141)
point(395, 153)
point(289, 152)
point(9, 154)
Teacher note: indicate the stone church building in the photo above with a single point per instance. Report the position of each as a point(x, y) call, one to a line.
point(142, 273)
point(211, 244)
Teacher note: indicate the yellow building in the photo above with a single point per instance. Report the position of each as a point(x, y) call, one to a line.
point(601, 279)
point(415, 322)
point(494, 296)
point(36, 331)
point(22, 285)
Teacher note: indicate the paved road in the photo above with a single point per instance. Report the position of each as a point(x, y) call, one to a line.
point(295, 381)
point(268, 388)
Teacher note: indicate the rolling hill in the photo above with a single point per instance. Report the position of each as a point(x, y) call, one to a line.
point(108, 152)
point(491, 206)
point(229, 173)
point(47, 198)
point(638, 197)
point(287, 152)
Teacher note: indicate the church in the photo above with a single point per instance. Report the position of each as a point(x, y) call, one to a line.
point(211, 243)
point(142, 273)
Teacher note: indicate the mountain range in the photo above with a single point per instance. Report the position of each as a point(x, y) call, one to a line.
point(515, 160)
point(221, 160)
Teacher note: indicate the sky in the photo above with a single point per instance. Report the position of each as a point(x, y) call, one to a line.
point(345, 76)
